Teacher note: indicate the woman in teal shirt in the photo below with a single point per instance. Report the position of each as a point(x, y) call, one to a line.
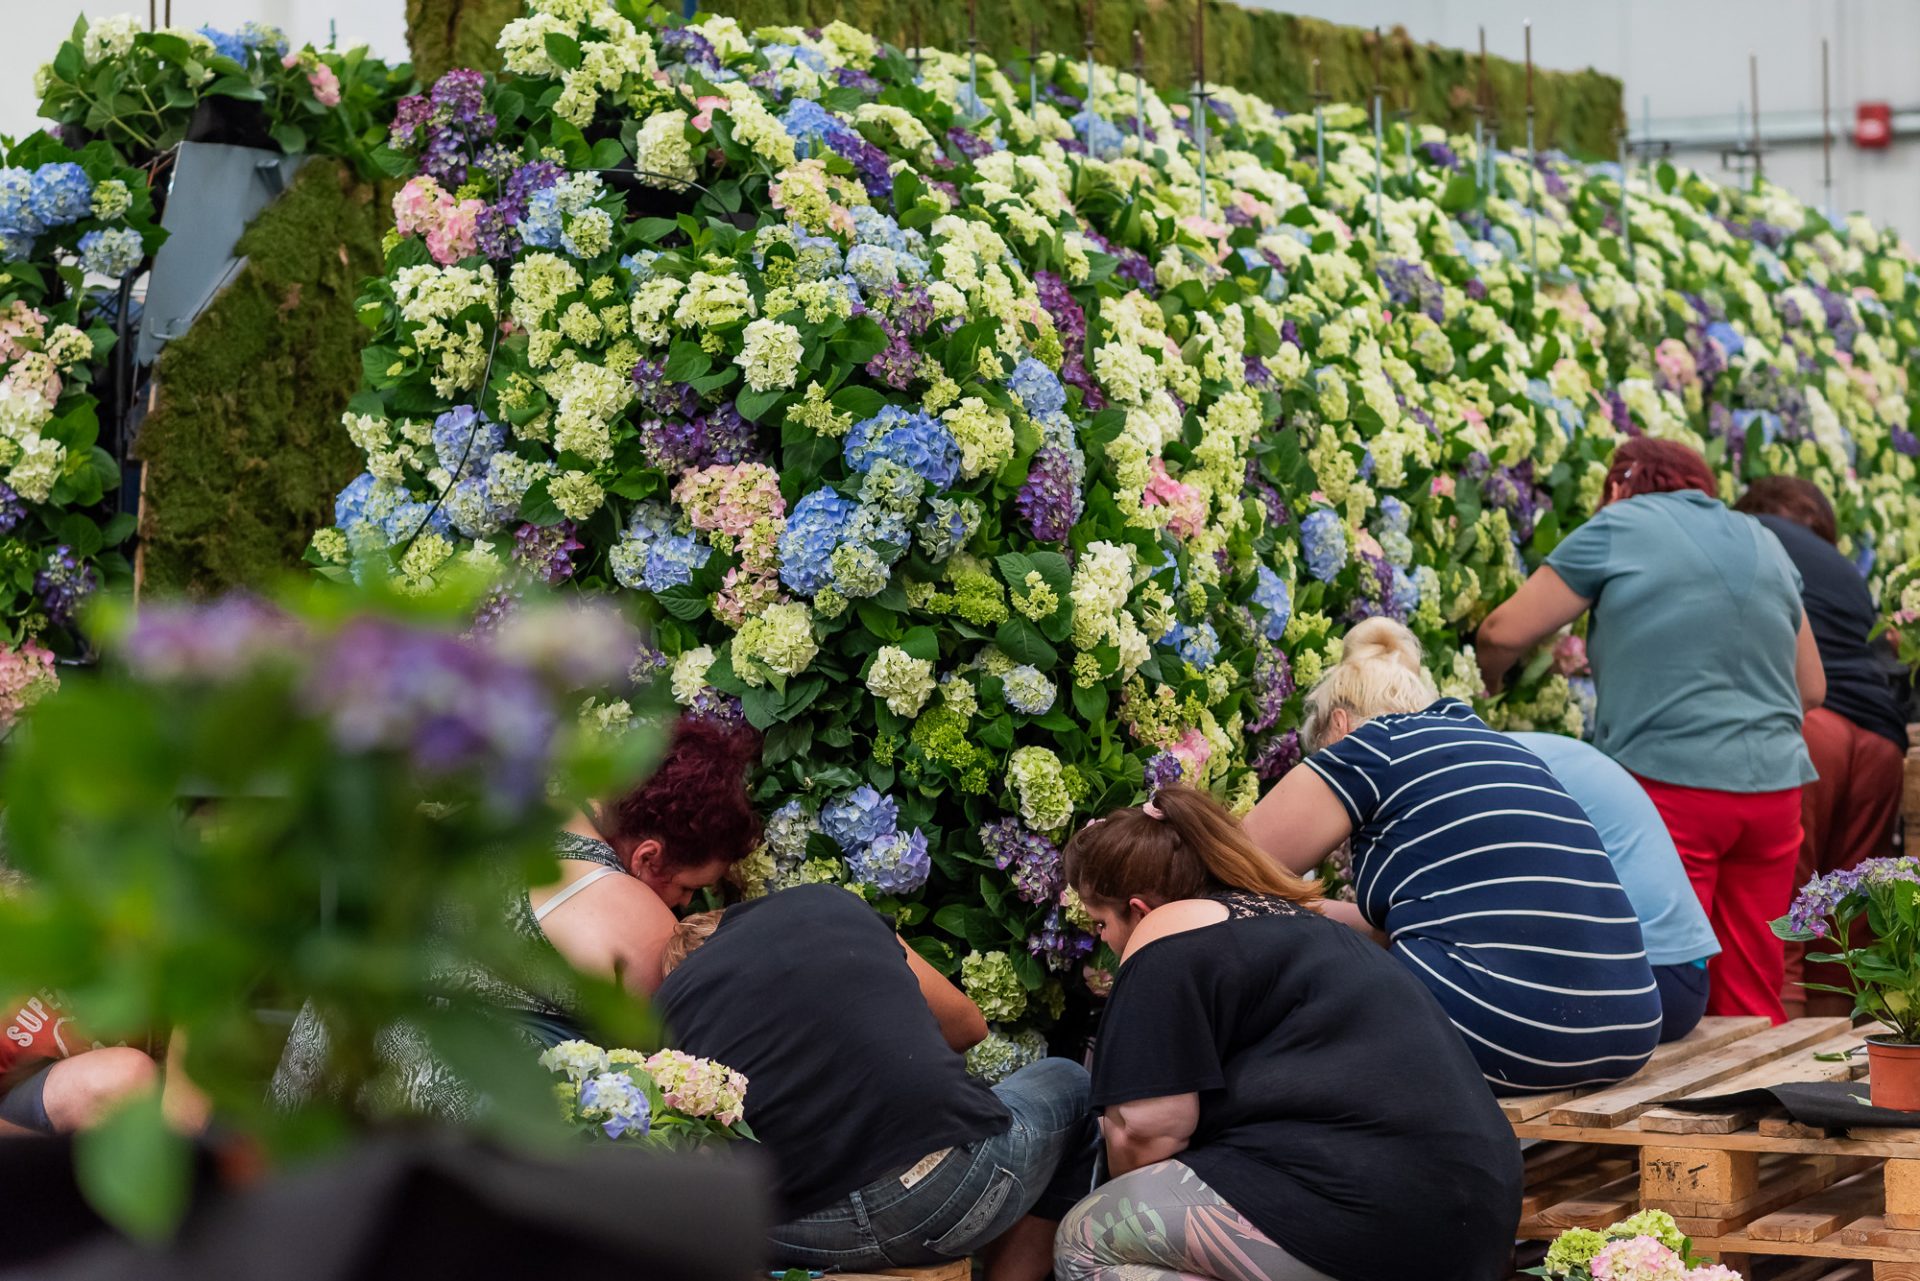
point(1704, 665)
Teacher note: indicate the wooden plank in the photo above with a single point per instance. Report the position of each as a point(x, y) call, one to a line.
point(1575, 1183)
point(1687, 1176)
point(1822, 1214)
point(1781, 1126)
point(1786, 1185)
point(1862, 1142)
point(1789, 1069)
point(1872, 1230)
point(1903, 1194)
point(1713, 1032)
point(1628, 1100)
point(1599, 1209)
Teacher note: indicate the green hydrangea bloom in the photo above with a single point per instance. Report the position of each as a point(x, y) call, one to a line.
point(1573, 1251)
point(990, 980)
point(1657, 1224)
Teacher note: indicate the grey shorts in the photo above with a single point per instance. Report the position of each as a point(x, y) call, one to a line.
point(23, 1102)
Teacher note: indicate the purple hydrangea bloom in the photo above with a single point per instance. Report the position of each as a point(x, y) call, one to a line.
point(547, 551)
point(1277, 755)
point(1162, 770)
point(63, 584)
point(1032, 858)
point(13, 509)
point(1060, 944)
point(1049, 500)
point(693, 49)
point(895, 863)
point(1272, 686)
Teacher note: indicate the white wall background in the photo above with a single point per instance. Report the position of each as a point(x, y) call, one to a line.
point(1687, 58)
point(31, 30)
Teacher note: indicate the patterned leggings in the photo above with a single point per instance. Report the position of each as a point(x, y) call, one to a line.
point(1162, 1223)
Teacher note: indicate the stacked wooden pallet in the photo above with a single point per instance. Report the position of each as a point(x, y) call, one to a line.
point(1744, 1182)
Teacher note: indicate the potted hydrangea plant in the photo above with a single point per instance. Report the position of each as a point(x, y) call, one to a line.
point(1647, 1247)
point(669, 1099)
point(1883, 970)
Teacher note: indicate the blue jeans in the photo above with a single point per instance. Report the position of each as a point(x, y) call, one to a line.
point(1042, 1165)
point(1683, 998)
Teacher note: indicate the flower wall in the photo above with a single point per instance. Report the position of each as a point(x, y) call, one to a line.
point(243, 450)
point(71, 224)
point(1000, 469)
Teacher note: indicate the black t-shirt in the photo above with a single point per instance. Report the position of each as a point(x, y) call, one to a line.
point(1333, 1092)
point(1840, 611)
point(807, 992)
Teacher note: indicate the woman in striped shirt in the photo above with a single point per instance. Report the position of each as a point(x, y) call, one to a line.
point(1473, 865)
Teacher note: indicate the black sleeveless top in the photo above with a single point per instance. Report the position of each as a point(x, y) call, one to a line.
point(1301, 1039)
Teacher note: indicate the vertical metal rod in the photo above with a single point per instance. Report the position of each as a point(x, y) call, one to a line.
point(1646, 134)
point(1379, 163)
point(1139, 91)
point(1087, 39)
point(973, 58)
point(1319, 125)
point(1626, 220)
point(1033, 66)
point(1533, 170)
point(1484, 158)
point(1200, 94)
point(333, 33)
point(1753, 81)
point(1406, 127)
point(167, 13)
point(153, 14)
point(1826, 134)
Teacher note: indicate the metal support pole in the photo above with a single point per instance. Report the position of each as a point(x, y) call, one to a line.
point(1753, 80)
point(1139, 92)
point(1533, 171)
point(1200, 94)
point(1033, 67)
point(1319, 125)
point(1826, 135)
point(1087, 39)
point(1379, 162)
point(973, 58)
point(1626, 221)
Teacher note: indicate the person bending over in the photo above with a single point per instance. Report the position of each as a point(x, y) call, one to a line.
point(1678, 936)
point(1483, 875)
point(1857, 738)
point(1283, 1102)
point(1704, 664)
point(886, 1153)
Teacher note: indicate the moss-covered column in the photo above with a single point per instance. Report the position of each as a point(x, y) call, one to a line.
point(1257, 50)
point(244, 450)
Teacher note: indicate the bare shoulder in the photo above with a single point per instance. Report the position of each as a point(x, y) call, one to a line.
point(1175, 918)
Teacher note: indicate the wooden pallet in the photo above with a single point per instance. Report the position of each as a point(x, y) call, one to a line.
point(1745, 1183)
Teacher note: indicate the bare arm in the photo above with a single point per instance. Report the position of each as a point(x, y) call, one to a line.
point(1299, 822)
point(1348, 914)
point(1543, 605)
point(1807, 669)
point(960, 1019)
point(1149, 1130)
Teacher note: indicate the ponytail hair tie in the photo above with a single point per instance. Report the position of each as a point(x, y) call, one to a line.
point(1152, 811)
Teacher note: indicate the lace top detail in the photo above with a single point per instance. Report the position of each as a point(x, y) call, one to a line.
point(1241, 904)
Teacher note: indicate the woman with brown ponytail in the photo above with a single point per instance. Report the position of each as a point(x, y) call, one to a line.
point(1270, 1080)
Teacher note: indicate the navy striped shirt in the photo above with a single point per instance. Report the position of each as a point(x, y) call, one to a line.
point(1493, 887)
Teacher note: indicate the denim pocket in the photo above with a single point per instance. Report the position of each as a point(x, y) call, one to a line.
point(964, 1236)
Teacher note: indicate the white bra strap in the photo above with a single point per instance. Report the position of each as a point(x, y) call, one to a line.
point(596, 874)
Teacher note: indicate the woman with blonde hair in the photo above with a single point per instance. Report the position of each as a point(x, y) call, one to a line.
point(1241, 1029)
point(1474, 866)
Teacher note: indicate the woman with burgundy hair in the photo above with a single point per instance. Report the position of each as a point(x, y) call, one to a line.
point(1705, 666)
point(627, 864)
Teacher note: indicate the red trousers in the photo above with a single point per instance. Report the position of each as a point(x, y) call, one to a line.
point(1740, 849)
point(1849, 814)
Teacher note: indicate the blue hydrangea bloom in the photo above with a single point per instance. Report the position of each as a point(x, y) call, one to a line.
point(350, 507)
point(16, 203)
point(625, 1101)
point(114, 252)
point(412, 518)
point(816, 526)
point(15, 246)
point(1271, 595)
point(1198, 644)
point(872, 524)
point(876, 227)
point(1728, 337)
point(812, 59)
point(541, 227)
point(1324, 540)
point(1393, 515)
point(1037, 387)
point(62, 193)
point(671, 561)
point(1106, 139)
point(896, 863)
point(916, 441)
point(811, 125)
point(859, 818)
point(465, 440)
point(945, 528)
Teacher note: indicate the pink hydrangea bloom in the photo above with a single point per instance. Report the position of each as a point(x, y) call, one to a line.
point(27, 675)
point(325, 85)
point(707, 105)
point(729, 498)
point(456, 236)
point(1570, 656)
point(1717, 1272)
point(20, 322)
point(1186, 506)
point(416, 208)
point(1638, 1259)
point(1442, 487)
point(1368, 544)
point(1193, 751)
point(1676, 363)
point(699, 1087)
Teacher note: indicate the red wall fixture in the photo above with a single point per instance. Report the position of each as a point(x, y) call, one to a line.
point(1873, 125)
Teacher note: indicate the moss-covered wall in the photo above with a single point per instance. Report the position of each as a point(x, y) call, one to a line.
point(244, 450)
point(1262, 52)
